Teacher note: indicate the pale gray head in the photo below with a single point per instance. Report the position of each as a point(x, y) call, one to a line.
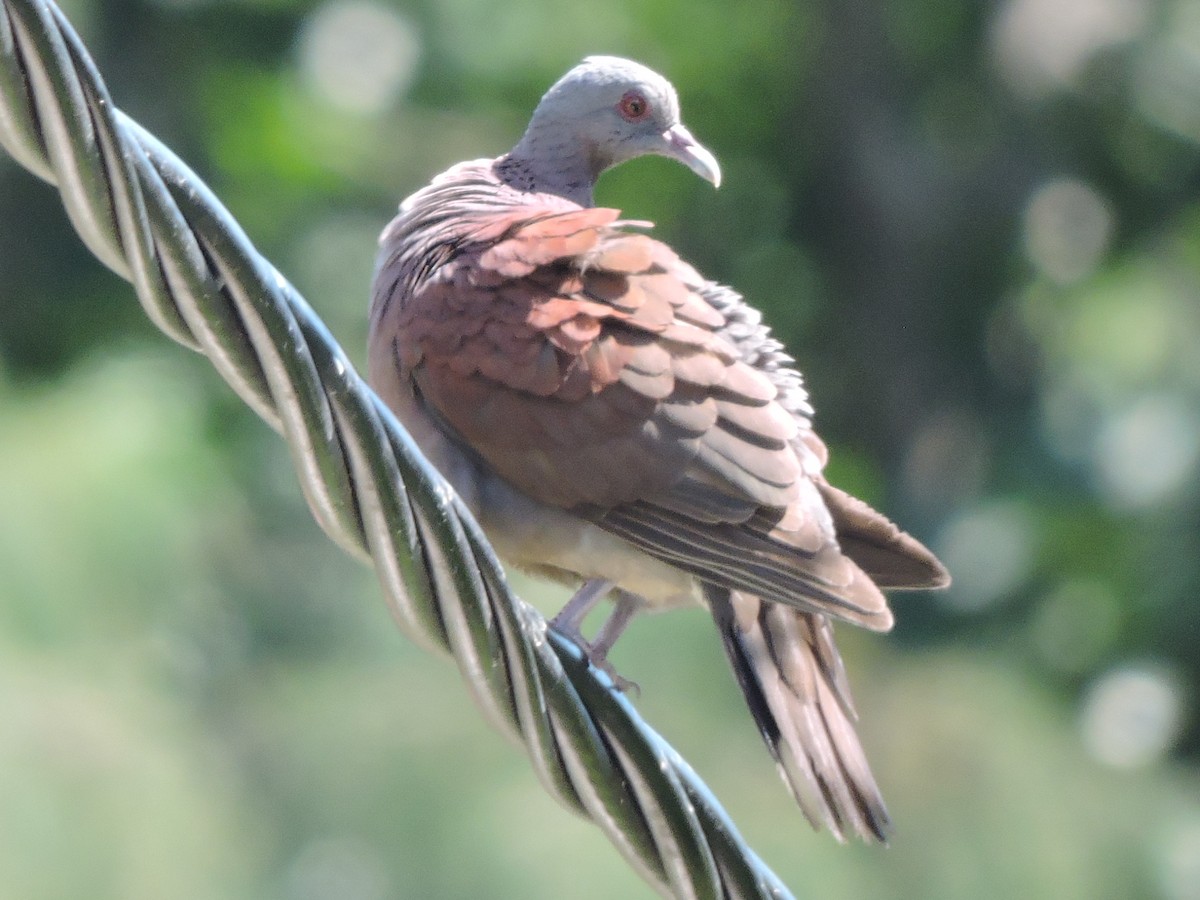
point(603, 112)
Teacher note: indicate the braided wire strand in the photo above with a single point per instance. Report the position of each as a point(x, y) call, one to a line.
point(147, 217)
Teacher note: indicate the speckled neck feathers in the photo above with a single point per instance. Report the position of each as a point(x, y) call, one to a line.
point(562, 170)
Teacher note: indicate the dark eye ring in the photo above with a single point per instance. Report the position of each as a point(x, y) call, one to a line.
point(633, 106)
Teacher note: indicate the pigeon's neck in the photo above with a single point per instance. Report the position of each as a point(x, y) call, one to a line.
point(543, 164)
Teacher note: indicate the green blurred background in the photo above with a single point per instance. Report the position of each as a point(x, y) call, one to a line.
point(976, 225)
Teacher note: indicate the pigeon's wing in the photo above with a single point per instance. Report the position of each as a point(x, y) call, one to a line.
point(583, 363)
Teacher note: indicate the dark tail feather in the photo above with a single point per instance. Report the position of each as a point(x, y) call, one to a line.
point(795, 685)
point(890, 557)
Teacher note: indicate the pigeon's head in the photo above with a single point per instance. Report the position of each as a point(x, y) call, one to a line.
point(608, 110)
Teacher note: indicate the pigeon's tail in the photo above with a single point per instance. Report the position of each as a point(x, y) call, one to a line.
point(795, 685)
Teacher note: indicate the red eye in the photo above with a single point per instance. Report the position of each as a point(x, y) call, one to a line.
point(633, 107)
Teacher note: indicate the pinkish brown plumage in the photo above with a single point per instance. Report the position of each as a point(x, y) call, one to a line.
point(615, 420)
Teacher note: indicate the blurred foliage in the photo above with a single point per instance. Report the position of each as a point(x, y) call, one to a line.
point(977, 226)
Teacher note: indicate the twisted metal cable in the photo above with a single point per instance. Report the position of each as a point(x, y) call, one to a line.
point(147, 217)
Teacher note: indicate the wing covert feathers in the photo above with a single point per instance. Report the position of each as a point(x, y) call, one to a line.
point(595, 371)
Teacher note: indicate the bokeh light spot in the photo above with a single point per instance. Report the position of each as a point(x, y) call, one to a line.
point(989, 550)
point(358, 56)
point(1068, 226)
point(1043, 45)
point(1123, 333)
point(1147, 452)
point(1132, 716)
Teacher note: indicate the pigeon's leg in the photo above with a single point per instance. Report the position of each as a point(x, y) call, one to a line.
point(570, 618)
point(628, 606)
point(570, 623)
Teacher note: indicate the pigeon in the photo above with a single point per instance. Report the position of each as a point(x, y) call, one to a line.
point(618, 423)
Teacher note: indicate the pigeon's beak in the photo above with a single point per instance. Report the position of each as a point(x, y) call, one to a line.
point(682, 146)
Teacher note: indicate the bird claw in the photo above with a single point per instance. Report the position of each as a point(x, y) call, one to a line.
point(620, 682)
point(598, 659)
point(569, 622)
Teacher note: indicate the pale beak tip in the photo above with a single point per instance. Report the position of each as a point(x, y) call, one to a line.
point(687, 150)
